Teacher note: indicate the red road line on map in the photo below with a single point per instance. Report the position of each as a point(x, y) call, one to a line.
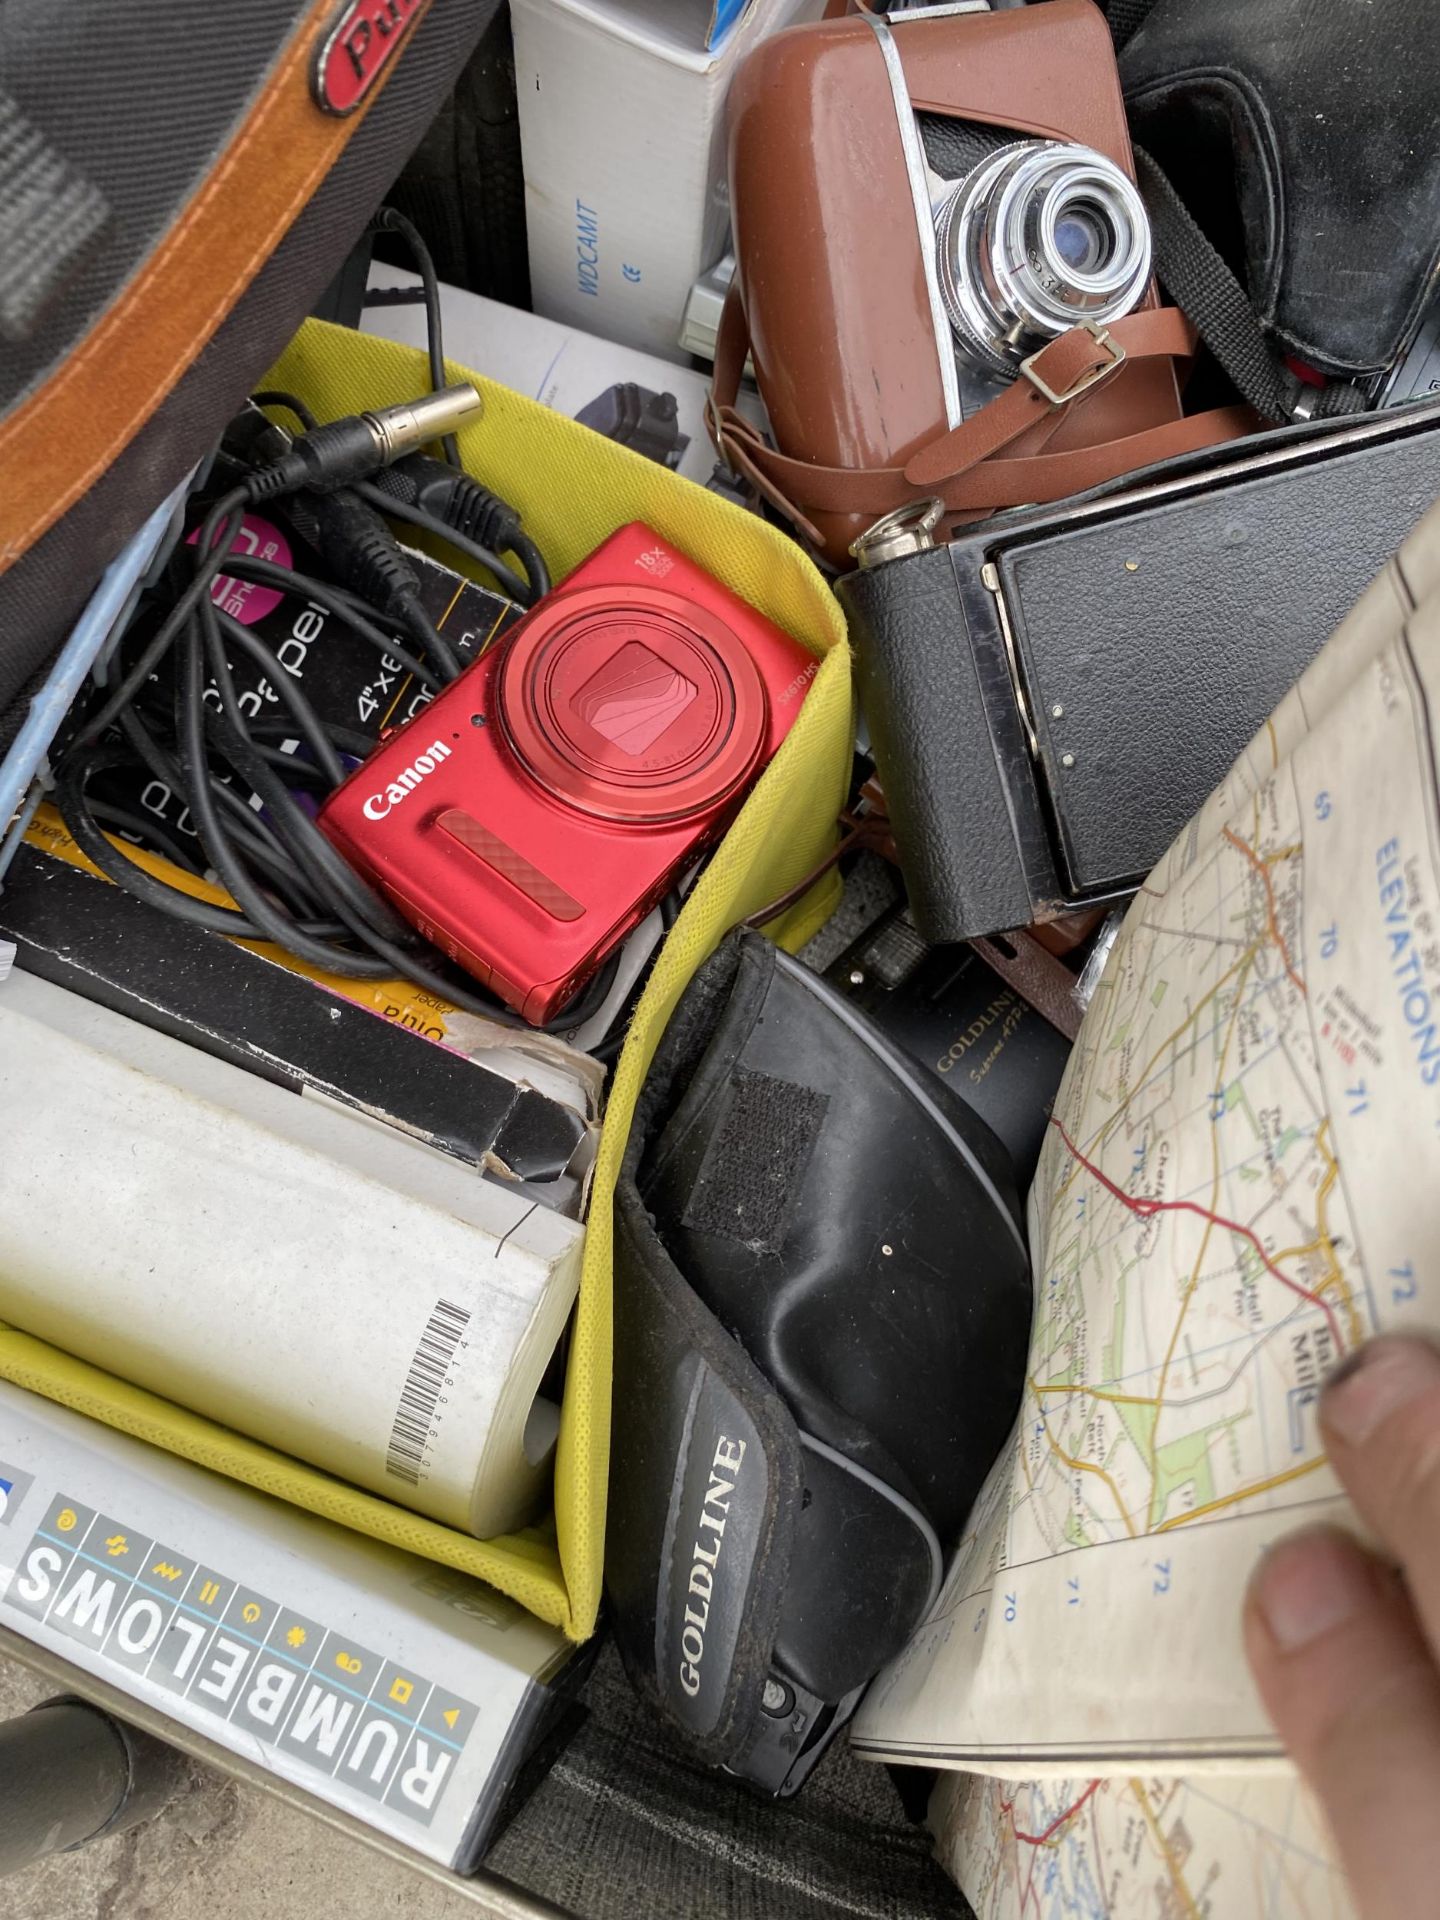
point(1144, 1208)
point(1039, 1839)
point(1264, 873)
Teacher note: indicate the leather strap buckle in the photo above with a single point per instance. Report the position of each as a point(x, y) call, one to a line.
point(1090, 378)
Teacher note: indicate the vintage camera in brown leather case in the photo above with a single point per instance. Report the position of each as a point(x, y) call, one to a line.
point(944, 271)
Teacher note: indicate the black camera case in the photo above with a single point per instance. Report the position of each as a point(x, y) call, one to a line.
point(178, 186)
point(1302, 138)
point(822, 1307)
point(1051, 697)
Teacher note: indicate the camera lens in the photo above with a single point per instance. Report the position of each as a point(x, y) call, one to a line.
point(1084, 237)
point(1040, 236)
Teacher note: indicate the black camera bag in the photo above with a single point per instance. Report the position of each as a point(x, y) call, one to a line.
point(822, 1309)
point(178, 185)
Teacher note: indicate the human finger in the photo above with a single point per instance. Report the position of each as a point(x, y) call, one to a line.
point(1380, 1416)
point(1347, 1676)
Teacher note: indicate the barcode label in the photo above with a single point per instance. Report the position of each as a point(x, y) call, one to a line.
point(421, 1393)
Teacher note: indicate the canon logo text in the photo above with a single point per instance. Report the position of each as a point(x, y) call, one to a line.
point(379, 804)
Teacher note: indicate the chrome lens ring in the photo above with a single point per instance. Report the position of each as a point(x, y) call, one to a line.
point(1040, 237)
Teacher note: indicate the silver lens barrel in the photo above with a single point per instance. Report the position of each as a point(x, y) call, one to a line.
point(1040, 237)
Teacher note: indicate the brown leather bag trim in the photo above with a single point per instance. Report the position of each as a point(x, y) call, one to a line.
point(137, 350)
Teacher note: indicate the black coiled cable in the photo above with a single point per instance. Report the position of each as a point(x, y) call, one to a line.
point(290, 885)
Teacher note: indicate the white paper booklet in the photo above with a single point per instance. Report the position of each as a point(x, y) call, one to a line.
point(1241, 1183)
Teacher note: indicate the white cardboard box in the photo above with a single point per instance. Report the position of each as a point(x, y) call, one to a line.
point(622, 130)
point(284, 1265)
point(398, 1691)
point(633, 397)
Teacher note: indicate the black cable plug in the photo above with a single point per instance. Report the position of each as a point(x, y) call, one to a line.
point(467, 508)
point(346, 450)
point(364, 555)
point(254, 440)
point(426, 492)
point(356, 545)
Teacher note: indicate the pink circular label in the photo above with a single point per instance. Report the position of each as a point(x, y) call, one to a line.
point(247, 600)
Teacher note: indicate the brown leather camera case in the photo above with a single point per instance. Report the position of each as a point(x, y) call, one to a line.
point(831, 296)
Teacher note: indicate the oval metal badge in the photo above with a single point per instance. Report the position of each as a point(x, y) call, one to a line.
point(359, 43)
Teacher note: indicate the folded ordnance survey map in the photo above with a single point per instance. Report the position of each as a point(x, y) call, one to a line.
point(1241, 1182)
point(1231, 1847)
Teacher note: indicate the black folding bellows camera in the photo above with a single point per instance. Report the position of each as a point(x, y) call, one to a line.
point(1052, 696)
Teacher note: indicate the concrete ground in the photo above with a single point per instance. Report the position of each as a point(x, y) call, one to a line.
point(220, 1850)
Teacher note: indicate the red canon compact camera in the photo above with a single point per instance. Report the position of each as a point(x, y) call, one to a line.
point(539, 808)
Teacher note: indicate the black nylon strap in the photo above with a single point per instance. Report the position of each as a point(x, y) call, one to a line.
point(1207, 292)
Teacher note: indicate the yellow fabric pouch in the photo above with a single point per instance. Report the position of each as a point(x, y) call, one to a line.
point(573, 489)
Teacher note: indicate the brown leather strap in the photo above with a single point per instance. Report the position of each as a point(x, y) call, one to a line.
point(732, 344)
point(964, 467)
point(1073, 363)
point(735, 438)
point(996, 483)
point(1046, 983)
point(1077, 359)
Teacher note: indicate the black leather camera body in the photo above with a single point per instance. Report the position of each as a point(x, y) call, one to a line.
point(1051, 696)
